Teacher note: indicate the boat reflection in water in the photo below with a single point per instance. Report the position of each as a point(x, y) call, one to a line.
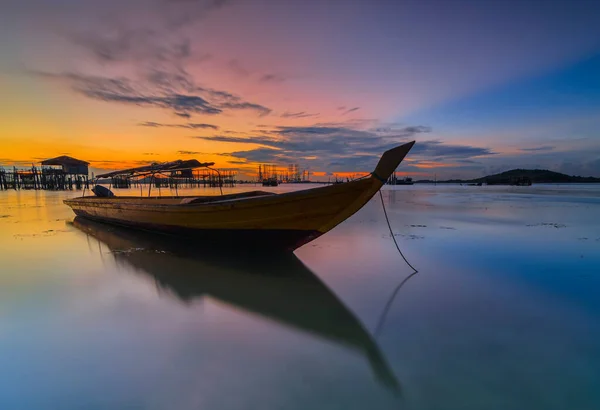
point(277, 286)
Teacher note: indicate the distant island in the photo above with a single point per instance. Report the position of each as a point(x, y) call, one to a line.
point(521, 177)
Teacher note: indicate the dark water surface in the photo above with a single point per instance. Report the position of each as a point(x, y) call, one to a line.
point(504, 313)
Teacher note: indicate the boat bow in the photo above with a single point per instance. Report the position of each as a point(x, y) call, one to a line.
point(390, 160)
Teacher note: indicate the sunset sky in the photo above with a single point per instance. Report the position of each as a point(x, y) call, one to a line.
point(482, 86)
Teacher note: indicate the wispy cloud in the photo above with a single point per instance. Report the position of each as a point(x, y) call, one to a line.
point(237, 67)
point(112, 164)
point(162, 39)
point(301, 114)
point(240, 140)
point(350, 110)
point(441, 150)
point(196, 10)
point(118, 43)
point(542, 148)
point(188, 125)
point(190, 153)
point(272, 78)
point(241, 70)
point(175, 92)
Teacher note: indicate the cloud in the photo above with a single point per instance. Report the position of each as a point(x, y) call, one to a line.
point(440, 150)
point(261, 110)
point(190, 153)
point(317, 130)
point(239, 140)
point(340, 148)
point(176, 102)
point(301, 114)
point(161, 38)
point(239, 69)
point(262, 155)
point(316, 139)
point(118, 43)
point(16, 162)
point(272, 78)
point(111, 164)
point(155, 50)
point(354, 163)
point(235, 66)
point(412, 130)
point(350, 110)
point(164, 90)
point(122, 38)
point(188, 125)
point(542, 148)
point(345, 132)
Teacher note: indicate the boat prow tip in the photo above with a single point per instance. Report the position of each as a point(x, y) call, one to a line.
point(391, 159)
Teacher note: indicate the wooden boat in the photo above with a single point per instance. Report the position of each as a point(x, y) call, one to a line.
point(404, 181)
point(287, 220)
point(275, 286)
point(270, 182)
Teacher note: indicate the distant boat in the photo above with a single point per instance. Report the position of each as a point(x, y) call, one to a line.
point(394, 180)
point(520, 181)
point(404, 181)
point(270, 182)
point(287, 220)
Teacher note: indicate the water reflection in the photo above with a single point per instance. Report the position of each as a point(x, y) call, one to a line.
point(277, 286)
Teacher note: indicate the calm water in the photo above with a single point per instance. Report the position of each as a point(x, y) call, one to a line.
point(503, 314)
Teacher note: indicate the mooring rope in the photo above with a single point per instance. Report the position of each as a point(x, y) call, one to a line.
point(392, 233)
point(384, 313)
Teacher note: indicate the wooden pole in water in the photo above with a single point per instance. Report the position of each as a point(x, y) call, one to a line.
point(150, 187)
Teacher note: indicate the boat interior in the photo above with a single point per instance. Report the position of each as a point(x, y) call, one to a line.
point(183, 200)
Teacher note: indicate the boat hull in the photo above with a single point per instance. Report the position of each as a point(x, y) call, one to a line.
point(275, 239)
point(288, 220)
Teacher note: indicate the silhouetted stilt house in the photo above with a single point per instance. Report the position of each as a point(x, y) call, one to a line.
point(68, 165)
point(55, 174)
point(63, 172)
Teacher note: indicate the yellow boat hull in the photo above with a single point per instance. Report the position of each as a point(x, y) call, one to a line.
point(289, 219)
